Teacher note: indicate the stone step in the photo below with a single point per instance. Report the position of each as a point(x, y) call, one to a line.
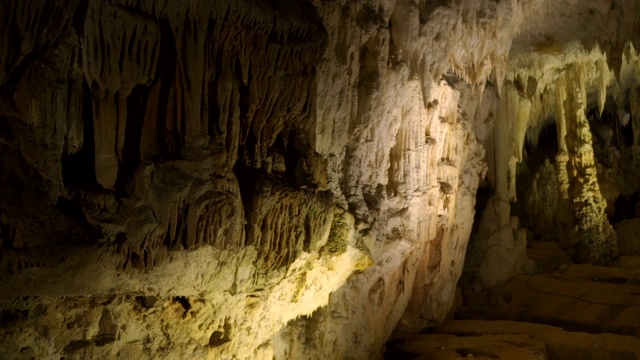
point(587, 298)
point(450, 346)
point(511, 340)
point(560, 344)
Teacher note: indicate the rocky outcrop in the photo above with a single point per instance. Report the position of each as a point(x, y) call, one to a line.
point(248, 179)
point(218, 163)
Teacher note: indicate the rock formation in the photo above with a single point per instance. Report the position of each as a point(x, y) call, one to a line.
point(250, 179)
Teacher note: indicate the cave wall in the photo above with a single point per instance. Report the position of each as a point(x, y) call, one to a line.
point(244, 179)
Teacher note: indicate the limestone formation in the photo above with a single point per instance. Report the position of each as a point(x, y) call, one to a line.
point(292, 179)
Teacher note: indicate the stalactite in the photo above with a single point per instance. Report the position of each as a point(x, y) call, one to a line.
point(603, 81)
point(119, 53)
point(503, 144)
point(498, 232)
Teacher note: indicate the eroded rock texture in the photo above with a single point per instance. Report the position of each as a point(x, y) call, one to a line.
point(250, 179)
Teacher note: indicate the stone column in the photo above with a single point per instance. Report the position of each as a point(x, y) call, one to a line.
point(591, 239)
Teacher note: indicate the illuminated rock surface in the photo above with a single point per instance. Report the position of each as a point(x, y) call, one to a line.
point(298, 179)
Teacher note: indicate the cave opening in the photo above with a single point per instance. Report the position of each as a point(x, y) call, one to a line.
point(545, 146)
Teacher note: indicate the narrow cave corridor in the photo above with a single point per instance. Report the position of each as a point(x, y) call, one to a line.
point(313, 179)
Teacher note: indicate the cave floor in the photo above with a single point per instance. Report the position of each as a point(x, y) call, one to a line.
point(562, 311)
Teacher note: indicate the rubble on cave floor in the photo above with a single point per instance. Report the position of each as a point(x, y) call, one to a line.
point(562, 311)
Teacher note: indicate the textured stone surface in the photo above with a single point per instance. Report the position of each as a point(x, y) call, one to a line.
point(560, 344)
point(250, 179)
point(576, 297)
point(445, 347)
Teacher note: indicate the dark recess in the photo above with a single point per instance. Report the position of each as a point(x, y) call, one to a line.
point(168, 139)
point(136, 108)
point(186, 305)
point(547, 147)
point(78, 170)
point(79, 17)
point(625, 207)
point(147, 302)
point(626, 133)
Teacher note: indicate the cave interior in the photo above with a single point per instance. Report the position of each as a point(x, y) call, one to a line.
point(315, 179)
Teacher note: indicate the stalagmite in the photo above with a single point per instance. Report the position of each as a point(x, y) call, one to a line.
point(499, 233)
point(593, 239)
